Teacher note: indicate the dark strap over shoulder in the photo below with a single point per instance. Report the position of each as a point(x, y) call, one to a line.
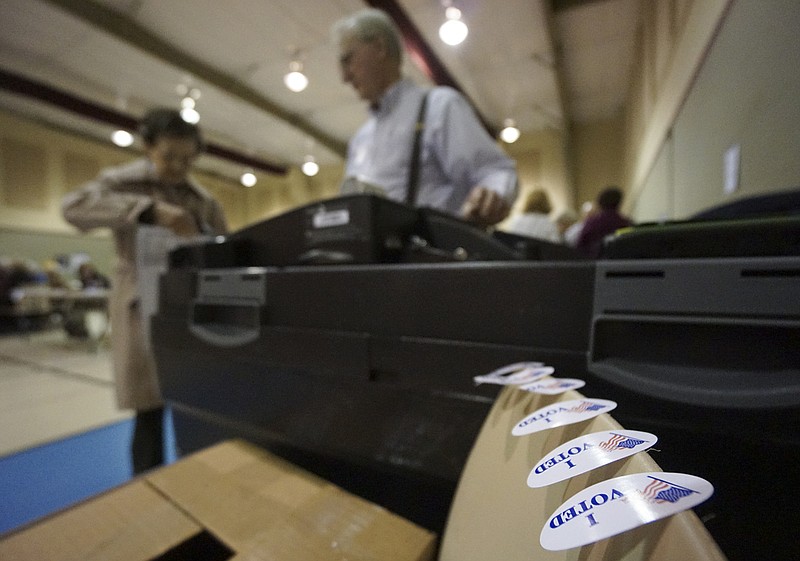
point(413, 171)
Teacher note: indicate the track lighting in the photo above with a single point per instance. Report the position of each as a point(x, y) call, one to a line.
point(310, 167)
point(248, 178)
point(122, 138)
point(295, 80)
point(190, 115)
point(510, 132)
point(453, 31)
point(189, 97)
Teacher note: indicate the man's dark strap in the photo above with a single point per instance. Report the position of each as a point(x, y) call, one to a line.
point(413, 170)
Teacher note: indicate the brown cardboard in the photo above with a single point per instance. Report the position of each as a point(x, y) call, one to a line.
point(243, 501)
point(495, 511)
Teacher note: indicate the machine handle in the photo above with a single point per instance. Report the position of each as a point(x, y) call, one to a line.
point(226, 324)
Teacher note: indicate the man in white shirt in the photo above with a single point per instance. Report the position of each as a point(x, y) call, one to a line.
point(461, 169)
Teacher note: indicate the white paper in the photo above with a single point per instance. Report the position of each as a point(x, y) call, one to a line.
point(153, 244)
point(731, 165)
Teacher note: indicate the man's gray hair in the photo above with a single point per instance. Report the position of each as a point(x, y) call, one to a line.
point(370, 24)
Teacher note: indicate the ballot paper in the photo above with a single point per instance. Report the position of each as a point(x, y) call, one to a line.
point(353, 185)
point(586, 453)
point(617, 505)
point(153, 244)
point(562, 413)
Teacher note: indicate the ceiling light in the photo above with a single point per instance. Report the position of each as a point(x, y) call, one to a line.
point(122, 138)
point(310, 167)
point(295, 80)
point(248, 179)
point(453, 31)
point(189, 97)
point(510, 132)
point(190, 115)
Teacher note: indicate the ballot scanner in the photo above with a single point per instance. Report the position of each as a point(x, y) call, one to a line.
point(696, 334)
point(345, 334)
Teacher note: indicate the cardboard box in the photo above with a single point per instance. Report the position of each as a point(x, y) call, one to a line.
point(232, 501)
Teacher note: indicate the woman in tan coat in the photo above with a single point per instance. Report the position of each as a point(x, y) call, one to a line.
point(153, 190)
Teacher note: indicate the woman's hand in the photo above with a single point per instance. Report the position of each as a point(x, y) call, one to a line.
point(176, 219)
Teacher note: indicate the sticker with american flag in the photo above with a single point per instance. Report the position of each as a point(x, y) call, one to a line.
point(515, 374)
point(553, 386)
point(588, 452)
point(621, 504)
point(562, 413)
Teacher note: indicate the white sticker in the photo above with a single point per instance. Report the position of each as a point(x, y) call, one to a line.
point(554, 386)
point(562, 413)
point(621, 504)
point(517, 373)
point(588, 452)
point(328, 218)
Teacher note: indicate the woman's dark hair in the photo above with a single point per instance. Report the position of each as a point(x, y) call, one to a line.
point(168, 122)
point(609, 198)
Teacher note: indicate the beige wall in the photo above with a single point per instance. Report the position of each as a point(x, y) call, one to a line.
point(541, 163)
point(743, 93)
point(599, 157)
point(710, 74)
point(674, 40)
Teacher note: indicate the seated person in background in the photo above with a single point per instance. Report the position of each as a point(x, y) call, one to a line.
point(154, 190)
point(461, 169)
point(90, 277)
point(56, 278)
point(14, 274)
point(604, 221)
point(534, 221)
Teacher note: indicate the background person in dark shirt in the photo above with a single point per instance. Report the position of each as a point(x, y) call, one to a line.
point(606, 220)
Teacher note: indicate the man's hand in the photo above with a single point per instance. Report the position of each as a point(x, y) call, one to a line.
point(485, 207)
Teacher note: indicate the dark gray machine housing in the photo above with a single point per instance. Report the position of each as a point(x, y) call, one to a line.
point(362, 374)
point(345, 335)
point(715, 332)
point(705, 353)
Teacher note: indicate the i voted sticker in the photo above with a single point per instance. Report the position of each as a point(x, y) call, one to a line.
point(586, 453)
point(517, 373)
point(562, 413)
point(621, 504)
point(553, 386)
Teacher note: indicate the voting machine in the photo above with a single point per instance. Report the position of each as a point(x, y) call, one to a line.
point(344, 336)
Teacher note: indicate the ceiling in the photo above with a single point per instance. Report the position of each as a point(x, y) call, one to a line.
point(94, 65)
